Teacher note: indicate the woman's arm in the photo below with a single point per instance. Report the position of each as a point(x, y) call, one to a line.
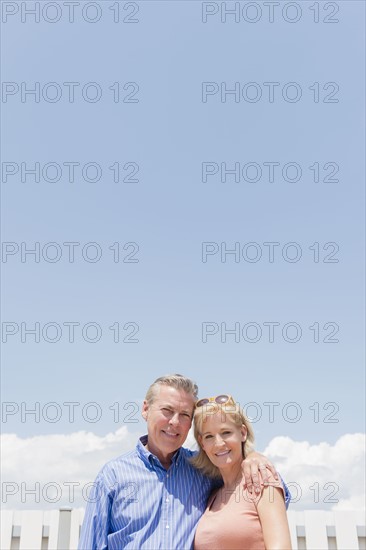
point(273, 518)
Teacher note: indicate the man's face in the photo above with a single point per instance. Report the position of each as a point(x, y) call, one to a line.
point(169, 419)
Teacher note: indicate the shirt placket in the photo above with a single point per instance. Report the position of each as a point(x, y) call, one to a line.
point(167, 504)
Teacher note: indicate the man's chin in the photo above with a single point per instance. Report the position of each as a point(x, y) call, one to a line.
point(172, 441)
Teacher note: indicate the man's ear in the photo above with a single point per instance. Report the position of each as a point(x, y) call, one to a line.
point(145, 408)
point(244, 432)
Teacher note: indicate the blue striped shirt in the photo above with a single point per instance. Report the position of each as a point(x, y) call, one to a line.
point(136, 503)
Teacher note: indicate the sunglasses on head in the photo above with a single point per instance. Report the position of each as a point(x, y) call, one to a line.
point(219, 399)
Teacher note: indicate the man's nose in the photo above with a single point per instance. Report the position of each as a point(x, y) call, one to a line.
point(174, 419)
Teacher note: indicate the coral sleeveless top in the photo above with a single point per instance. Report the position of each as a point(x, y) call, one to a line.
point(236, 526)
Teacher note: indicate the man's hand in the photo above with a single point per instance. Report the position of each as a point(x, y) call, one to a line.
point(254, 467)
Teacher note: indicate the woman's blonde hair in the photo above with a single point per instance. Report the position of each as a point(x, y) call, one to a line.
point(236, 414)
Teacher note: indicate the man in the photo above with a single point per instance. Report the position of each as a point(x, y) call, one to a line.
point(152, 497)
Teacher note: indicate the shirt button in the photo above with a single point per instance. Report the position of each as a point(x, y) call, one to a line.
point(167, 527)
point(166, 500)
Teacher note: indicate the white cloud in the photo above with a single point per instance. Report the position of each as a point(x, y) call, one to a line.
point(47, 463)
point(320, 476)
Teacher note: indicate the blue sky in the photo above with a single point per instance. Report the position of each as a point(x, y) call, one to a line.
point(169, 212)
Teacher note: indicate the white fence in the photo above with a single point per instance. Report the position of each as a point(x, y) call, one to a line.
point(59, 530)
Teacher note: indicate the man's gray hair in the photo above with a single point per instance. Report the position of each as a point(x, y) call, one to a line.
point(177, 381)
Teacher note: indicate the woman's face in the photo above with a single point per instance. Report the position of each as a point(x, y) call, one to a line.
point(222, 439)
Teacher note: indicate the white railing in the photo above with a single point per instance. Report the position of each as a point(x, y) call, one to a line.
point(60, 529)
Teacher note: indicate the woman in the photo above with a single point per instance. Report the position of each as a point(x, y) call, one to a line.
point(233, 518)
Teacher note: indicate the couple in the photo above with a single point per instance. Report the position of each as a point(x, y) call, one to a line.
point(156, 496)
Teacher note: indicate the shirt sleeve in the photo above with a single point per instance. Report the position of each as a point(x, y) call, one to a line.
point(95, 528)
point(286, 492)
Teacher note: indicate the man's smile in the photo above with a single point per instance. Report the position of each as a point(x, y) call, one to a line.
point(170, 434)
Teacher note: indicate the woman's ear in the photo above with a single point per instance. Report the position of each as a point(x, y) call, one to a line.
point(244, 433)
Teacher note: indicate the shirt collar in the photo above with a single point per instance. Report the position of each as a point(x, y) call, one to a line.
point(149, 458)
